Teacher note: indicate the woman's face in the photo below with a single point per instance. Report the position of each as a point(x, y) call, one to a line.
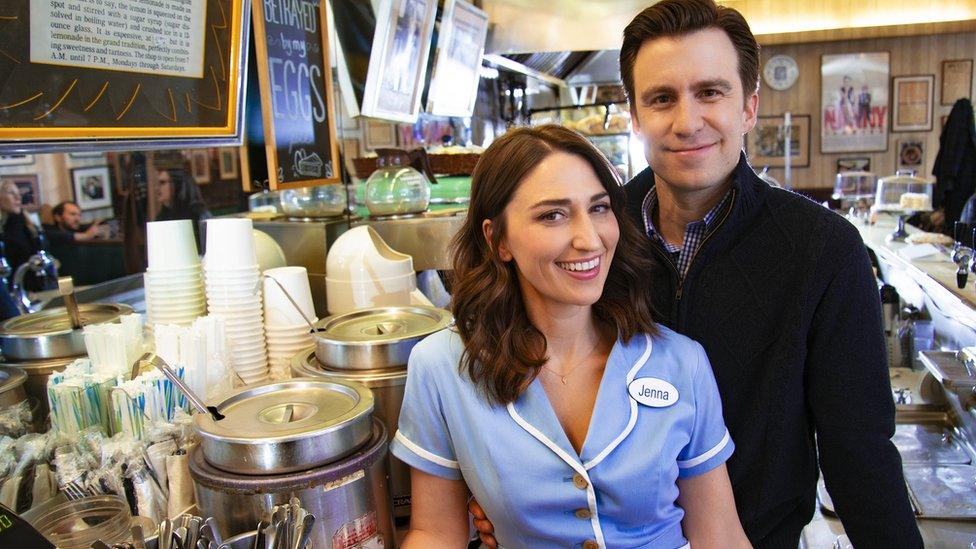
point(10, 198)
point(164, 189)
point(561, 233)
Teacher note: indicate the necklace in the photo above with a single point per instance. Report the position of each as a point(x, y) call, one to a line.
point(562, 377)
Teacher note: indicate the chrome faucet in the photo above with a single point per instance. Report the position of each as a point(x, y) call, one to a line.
point(962, 255)
point(43, 265)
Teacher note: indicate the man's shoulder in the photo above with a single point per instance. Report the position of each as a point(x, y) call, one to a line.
point(800, 214)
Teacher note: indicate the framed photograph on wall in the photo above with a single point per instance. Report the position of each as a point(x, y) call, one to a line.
point(379, 135)
point(911, 154)
point(957, 80)
point(92, 186)
point(398, 59)
point(29, 187)
point(859, 164)
point(200, 165)
point(854, 102)
point(16, 159)
point(912, 103)
point(228, 163)
point(457, 63)
point(766, 143)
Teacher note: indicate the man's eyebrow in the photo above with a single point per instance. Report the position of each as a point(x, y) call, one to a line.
point(722, 84)
point(647, 95)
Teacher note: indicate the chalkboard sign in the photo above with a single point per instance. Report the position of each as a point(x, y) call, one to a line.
point(120, 69)
point(296, 93)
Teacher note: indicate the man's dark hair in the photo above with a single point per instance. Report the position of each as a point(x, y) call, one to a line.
point(676, 18)
point(58, 210)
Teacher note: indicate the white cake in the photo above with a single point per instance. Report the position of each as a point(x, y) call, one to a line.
point(915, 201)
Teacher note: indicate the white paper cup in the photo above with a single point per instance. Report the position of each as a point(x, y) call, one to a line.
point(278, 308)
point(230, 243)
point(171, 244)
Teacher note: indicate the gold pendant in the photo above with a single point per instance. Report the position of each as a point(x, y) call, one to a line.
point(563, 378)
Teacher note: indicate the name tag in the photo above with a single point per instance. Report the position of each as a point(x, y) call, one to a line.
point(653, 392)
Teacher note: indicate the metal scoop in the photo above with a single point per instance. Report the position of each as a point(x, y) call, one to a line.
point(198, 403)
point(66, 287)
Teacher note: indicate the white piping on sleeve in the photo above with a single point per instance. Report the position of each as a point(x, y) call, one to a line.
point(688, 463)
point(633, 409)
point(434, 458)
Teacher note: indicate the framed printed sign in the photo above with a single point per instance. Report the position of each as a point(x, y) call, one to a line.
point(460, 45)
point(912, 103)
point(92, 186)
point(854, 102)
point(766, 143)
point(121, 70)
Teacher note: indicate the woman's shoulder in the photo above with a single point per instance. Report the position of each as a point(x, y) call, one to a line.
point(667, 347)
point(438, 350)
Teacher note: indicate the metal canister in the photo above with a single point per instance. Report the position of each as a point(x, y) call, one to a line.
point(350, 498)
point(48, 334)
point(381, 337)
point(387, 386)
point(38, 372)
point(12, 391)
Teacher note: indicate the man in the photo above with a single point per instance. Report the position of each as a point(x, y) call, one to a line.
point(777, 289)
point(67, 225)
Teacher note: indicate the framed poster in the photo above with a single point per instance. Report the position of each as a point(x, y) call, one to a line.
point(29, 187)
point(911, 154)
point(460, 45)
point(912, 103)
point(227, 161)
point(200, 165)
point(957, 80)
point(92, 186)
point(398, 59)
point(854, 102)
point(16, 159)
point(379, 135)
point(297, 106)
point(766, 143)
point(859, 164)
point(135, 71)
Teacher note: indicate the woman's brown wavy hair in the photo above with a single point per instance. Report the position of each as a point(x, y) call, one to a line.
point(503, 350)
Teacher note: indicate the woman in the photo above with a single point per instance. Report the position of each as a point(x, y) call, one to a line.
point(555, 401)
point(20, 235)
point(180, 199)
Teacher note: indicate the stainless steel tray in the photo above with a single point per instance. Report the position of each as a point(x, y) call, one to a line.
point(951, 370)
point(932, 444)
point(942, 491)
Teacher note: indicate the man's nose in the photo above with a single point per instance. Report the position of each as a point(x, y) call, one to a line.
point(687, 118)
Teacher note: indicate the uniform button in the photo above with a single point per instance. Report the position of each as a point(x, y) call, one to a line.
point(582, 513)
point(591, 544)
point(580, 482)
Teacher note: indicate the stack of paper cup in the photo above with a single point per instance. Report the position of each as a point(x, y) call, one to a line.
point(286, 327)
point(233, 282)
point(173, 280)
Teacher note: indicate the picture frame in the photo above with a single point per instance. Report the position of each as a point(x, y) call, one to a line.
point(30, 189)
point(910, 154)
point(200, 166)
point(228, 163)
point(957, 80)
point(854, 102)
point(351, 149)
point(912, 102)
point(457, 60)
point(90, 154)
point(766, 142)
point(16, 159)
point(403, 31)
point(855, 164)
point(379, 135)
point(92, 187)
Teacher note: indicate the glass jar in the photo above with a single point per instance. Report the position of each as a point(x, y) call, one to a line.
point(77, 524)
point(395, 188)
point(321, 201)
point(264, 202)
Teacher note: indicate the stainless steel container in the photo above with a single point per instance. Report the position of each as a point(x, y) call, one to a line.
point(387, 386)
point(287, 426)
point(38, 371)
point(349, 498)
point(12, 391)
point(381, 337)
point(48, 333)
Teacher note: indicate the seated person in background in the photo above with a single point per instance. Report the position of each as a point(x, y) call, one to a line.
point(180, 198)
point(19, 235)
point(67, 226)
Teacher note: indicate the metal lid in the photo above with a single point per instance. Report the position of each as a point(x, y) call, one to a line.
point(382, 325)
point(304, 364)
point(56, 321)
point(289, 410)
point(11, 378)
point(41, 366)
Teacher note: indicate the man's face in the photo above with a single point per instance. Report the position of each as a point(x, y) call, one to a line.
point(70, 218)
point(690, 109)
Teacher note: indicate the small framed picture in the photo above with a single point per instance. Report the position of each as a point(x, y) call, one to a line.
point(200, 165)
point(228, 161)
point(858, 164)
point(89, 154)
point(957, 80)
point(92, 186)
point(29, 187)
point(379, 135)
point(351, 149)
point(911, 154)
point(16, 159)
point(912, 103)
point(767, 141)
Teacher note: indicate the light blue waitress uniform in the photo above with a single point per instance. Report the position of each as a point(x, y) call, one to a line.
point(619, 491)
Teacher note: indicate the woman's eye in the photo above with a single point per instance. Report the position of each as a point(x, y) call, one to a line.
point(602, 207)
point(553, 215)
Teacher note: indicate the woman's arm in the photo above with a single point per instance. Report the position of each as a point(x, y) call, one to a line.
point(438, 512)
point(710, 516)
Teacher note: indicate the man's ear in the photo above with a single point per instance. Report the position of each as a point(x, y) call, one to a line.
point(750, 113)
point(486, 229)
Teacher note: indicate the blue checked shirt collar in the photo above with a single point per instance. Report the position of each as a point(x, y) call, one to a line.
point(694, 232)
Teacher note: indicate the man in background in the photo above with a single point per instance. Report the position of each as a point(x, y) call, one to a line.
point(67, 225)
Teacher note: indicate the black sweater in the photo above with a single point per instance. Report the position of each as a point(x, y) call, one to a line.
point(782, 296)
